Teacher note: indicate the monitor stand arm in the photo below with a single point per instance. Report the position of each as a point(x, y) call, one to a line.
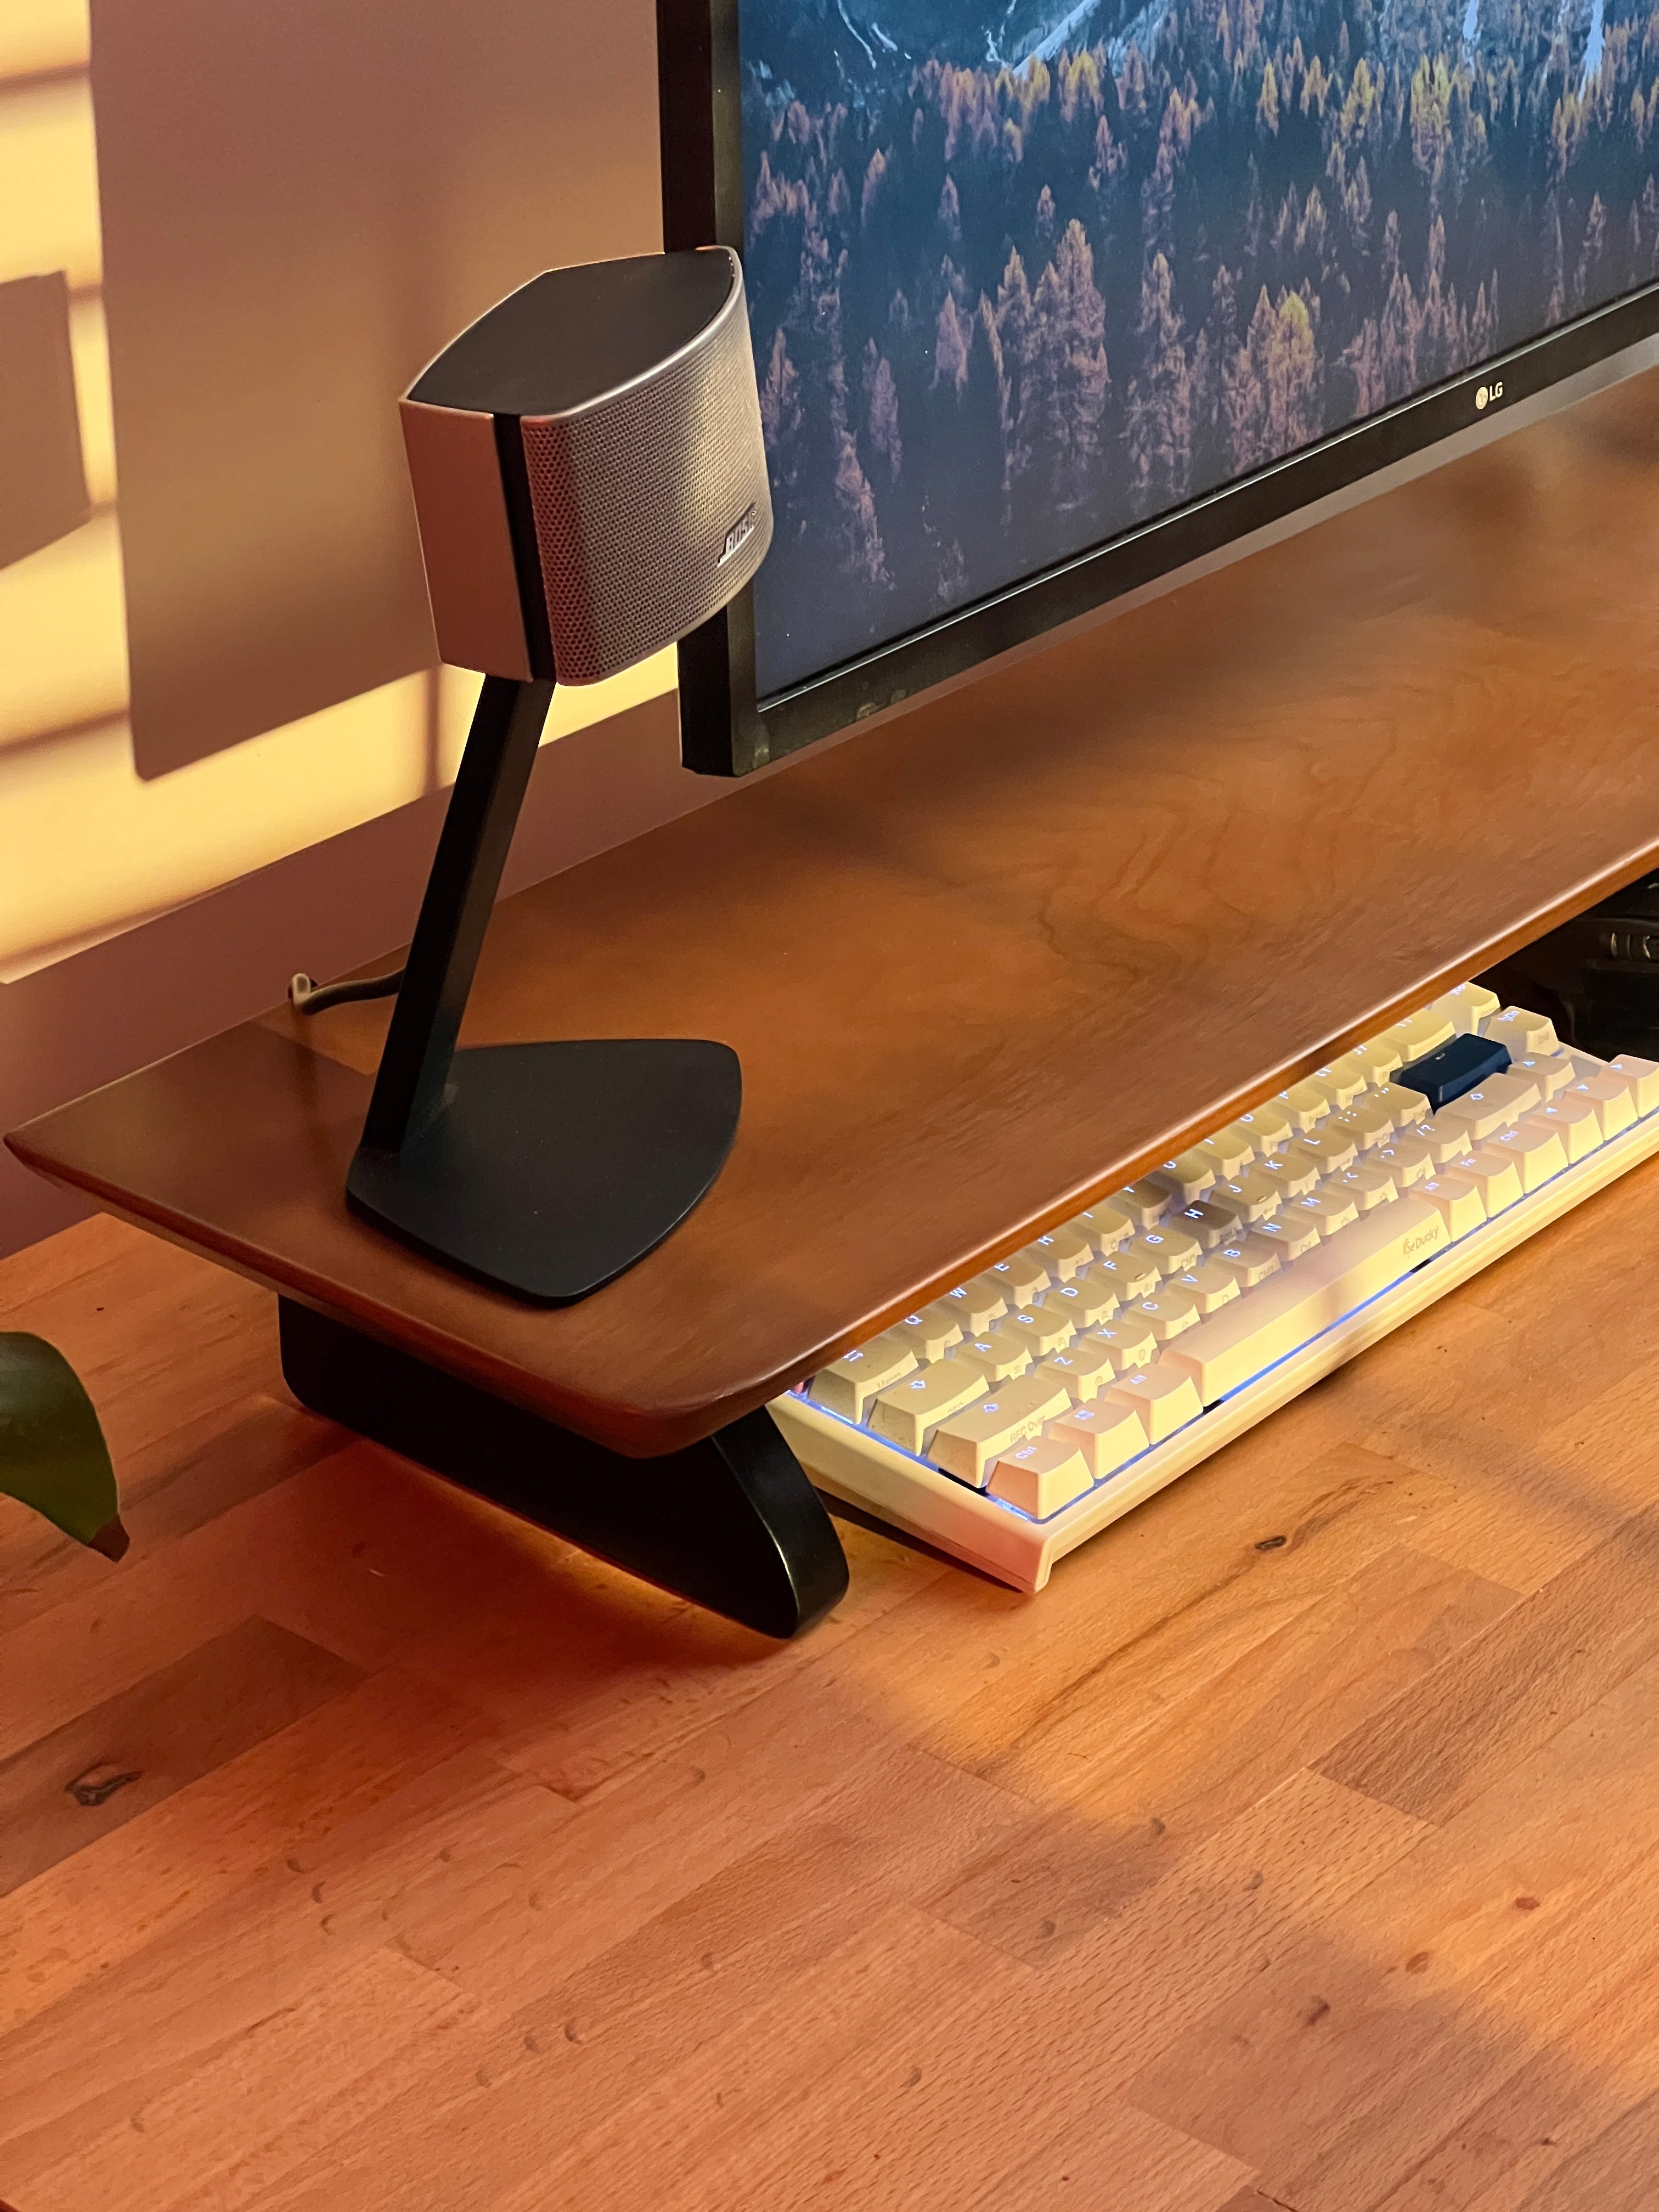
point(544, 1169)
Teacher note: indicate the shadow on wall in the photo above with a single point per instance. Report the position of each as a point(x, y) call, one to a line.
point(302, 203)
point(43, 478)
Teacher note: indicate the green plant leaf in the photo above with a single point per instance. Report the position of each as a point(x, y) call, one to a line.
point(52, 1453)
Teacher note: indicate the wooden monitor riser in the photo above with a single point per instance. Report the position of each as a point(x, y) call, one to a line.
point(1002, 953)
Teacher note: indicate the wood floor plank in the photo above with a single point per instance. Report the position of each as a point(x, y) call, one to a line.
point(572, 2053)
point(1375, 2034)
point(1212, 1566)
point(115, 1762)
point(903, 2025)
point(1116, 2156)
point(112, 1899)
point(1614, 2173)
point(153, 2018)
point(1603, 2061)
point(220, 2136)
point(1135, 1789)
point(1534, 1670)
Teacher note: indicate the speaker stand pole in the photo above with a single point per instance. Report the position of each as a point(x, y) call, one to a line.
point(544, 1169)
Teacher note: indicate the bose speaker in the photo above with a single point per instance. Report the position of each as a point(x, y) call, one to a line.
point(588, 467)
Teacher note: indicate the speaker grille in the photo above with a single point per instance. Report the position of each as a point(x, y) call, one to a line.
point(635, 498)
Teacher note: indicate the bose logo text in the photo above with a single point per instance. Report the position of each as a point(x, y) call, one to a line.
point(739, 534)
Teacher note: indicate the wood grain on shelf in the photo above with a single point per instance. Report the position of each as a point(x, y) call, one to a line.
point(1004, 951)
point(1218, 1878)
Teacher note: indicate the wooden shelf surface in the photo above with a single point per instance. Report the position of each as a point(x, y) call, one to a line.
point(1003, 952)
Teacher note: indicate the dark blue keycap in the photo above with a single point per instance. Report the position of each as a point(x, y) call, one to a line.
point(1456, 1067)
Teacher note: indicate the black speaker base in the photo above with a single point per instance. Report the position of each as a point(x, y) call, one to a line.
point(552, 1168)
point(732, 1523)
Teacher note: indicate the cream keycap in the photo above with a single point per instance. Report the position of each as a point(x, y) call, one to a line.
point(969, 1443)
point(1083, 1370)
point(1023, 1279)
point(1642, 1076)
point(1330, 1148)
point(850, 1384)
point(1408, 1159)
point(1106, 1435)
point(997, 1350)
point(1456, 1199)
point(1408, 1107)
point(1329, 1208)
point(1468, 1006)
point(1379, 1057)
point(1164, 1396)
point(1611, 1098)
point(1250, 1196)
point(1293, 1306)
point(1370, 1184)
point(1251, 1261)
point(1044, 1328)
point(1210, 1285)
point(1129, 1275)
point(1304, 1105)
point(1368, 1123)
point(1265, 1126)
point(1551, 1071)
point(1129, 1342)
point(1422, 1033)
point(1167, 1313)
point(1292, 1173)
point(1537, 1150)
point(1041, 1476)
point(1105, 1225)
point(1090, 1297)
point(1495, 1174)
point(907, 1412)
point(931, 1333)
point(1345, 1080)
point(1290, 1237)
point(1169, 1248)
point(1210, 1224)
point(979, 1303)
point(1064, 1252)
point(1146, 1202)
point(1521, 1031)
point(1231, 1148)
point(1491, 1105)
point(1446, 1137)
point(1187, 1177)
point(1575, 1120)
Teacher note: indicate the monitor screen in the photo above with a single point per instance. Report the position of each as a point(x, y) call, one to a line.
point(1024, 277)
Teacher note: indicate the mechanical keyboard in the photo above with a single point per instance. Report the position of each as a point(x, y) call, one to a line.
point(1023, 1412)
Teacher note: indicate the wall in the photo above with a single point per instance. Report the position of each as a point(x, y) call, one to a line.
point(230, 232)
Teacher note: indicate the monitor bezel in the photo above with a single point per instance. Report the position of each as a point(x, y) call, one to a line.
point(725, 729)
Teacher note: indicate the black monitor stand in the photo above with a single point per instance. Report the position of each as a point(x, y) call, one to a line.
point(544, 1169)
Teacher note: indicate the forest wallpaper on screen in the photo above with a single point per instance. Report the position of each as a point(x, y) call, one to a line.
point(1019, 278)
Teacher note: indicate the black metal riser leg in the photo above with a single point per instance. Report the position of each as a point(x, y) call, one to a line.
point(732, 1523)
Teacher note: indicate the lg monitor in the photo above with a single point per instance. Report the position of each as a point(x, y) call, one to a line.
point(1048, 301)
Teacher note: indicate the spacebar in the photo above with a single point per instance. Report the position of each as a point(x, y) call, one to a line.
point(1290, 1308)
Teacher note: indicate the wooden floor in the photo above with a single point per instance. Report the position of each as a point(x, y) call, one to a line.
point(361, 1851)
